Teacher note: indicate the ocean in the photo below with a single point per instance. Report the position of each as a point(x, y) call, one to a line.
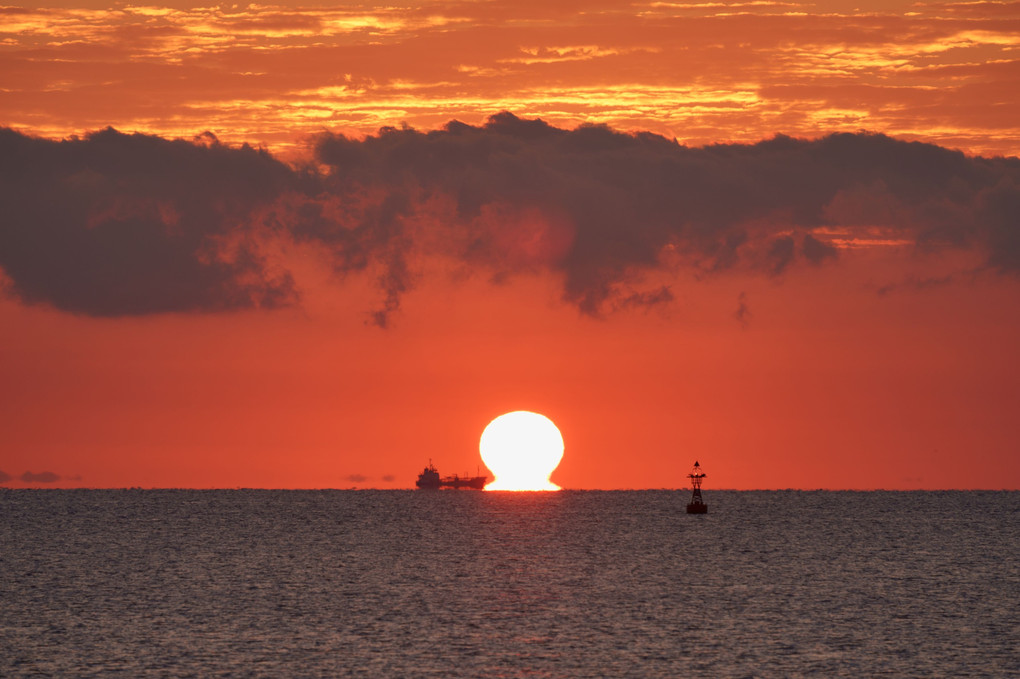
point(159, 583)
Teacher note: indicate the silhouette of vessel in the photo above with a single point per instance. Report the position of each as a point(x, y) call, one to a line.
point(431, 480)
point(696, 505)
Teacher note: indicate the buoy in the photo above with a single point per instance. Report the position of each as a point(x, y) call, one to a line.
point(696, 505)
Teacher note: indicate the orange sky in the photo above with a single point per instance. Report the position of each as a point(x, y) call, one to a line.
point(702, 72)
point(387, 333)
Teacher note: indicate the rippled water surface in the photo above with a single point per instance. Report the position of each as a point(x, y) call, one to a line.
point(477, 584)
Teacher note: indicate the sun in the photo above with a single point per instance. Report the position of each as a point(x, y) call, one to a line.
point(521, 449)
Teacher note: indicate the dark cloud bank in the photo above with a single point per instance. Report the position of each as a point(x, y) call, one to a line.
point(115, 224)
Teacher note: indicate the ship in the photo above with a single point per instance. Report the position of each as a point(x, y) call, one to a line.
point(431, 480)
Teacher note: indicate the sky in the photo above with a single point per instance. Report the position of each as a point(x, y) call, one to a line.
point(319, 245)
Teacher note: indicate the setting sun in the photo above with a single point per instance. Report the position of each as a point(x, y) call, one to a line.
point(521, 449)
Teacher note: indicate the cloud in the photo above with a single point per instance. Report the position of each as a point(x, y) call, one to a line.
point(701, 70)
point(915, 283)
point(602, 207)
point(357, 478)
point(4, 477)
point(389, 478)
point(816, 251)
point(41, 477)
point(743, 312)
point(999, 213)
point(114, 224)
point(780, 254)
point(661, 295)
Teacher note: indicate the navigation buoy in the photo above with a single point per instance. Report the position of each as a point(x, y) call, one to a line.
point(696, 505)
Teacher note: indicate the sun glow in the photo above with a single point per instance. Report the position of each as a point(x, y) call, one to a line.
point(521, 449)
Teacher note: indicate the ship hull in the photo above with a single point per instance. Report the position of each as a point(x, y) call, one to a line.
point(472, 482)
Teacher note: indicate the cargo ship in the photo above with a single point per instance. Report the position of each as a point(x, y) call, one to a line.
point(430, 479)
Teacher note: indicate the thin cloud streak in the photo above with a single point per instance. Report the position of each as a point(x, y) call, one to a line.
point(40, 477)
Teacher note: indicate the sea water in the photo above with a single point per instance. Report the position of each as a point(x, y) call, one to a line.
point(479, 584)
